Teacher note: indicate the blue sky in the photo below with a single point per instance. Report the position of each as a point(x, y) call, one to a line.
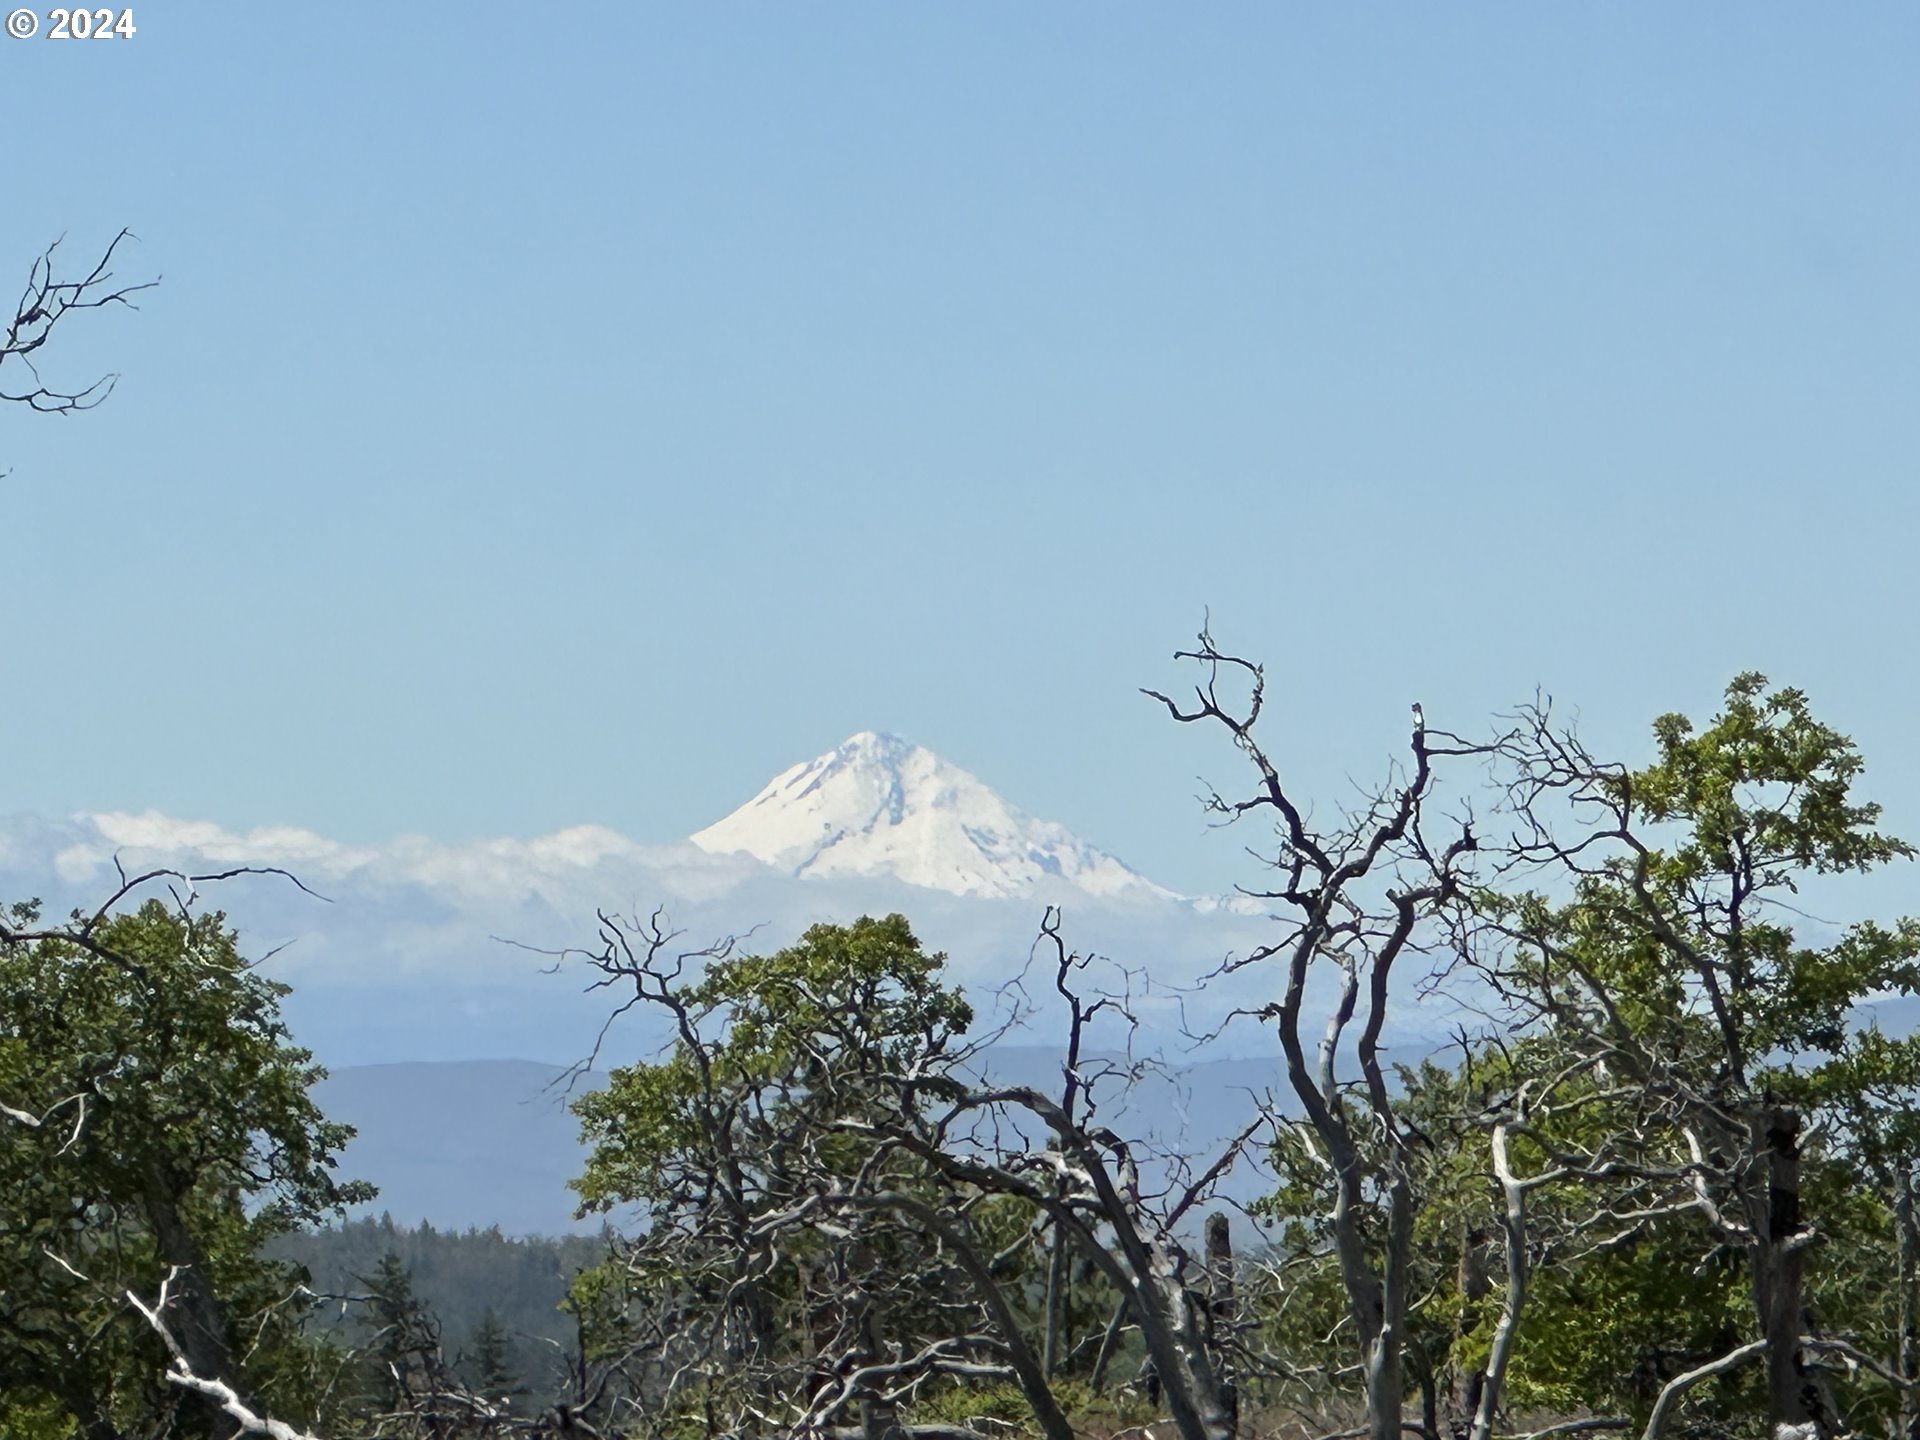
point(580, 414)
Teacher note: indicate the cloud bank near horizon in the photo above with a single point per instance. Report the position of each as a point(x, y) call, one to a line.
point(422, 949)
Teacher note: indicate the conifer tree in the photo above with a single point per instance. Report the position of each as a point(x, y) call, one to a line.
point(491, 1361)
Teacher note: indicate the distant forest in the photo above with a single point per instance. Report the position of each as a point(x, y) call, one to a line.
point(460, 1282)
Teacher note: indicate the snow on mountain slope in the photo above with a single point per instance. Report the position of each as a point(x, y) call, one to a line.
point(880, 807)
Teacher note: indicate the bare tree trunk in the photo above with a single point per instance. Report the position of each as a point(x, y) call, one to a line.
point(1376, 1303)
point(1779, 1264)
point(1220, 1268)
point(1108, 1343)
point(1324, 880)
point(1514, 1227)
point(1386, 1364)
point(1177, 1348)
point(1219, 1237)
point(1386, 1385)
point(1909, 1425)
point(1474, 1286)
point(1052, 1347)
point(1371, 1296)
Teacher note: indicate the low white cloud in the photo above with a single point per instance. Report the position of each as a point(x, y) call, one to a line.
point(420, 948)
point(152, 832)
point(76, 864)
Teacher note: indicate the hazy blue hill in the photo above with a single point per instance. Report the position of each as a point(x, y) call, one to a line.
point(465, 1143)
point(480, 1143)
point(1169, 1109)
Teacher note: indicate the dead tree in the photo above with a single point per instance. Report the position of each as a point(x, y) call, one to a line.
point(48, 299)
point(1353, 899)
point(1088, 1182)
point(429, 1405)
point(212, 1386)
point(1222, 1311)
point(1603, 1196)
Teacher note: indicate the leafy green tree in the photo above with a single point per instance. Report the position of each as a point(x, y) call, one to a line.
point(1615, 1300)
point(788, 1030)
point(840, 1223)
point(776, 1063)
point(1666, 1184)
point(1670, 980)
point(158, 1128)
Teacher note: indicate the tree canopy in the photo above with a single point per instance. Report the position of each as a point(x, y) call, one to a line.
point(159, 1126)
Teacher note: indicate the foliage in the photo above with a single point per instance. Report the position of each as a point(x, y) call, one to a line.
point(777, 1061)
point(1686, 931)
point(840, 1222)
point(175, 1134)
point(795, 1026)
point(1003, 1410)
point(1700, 1077)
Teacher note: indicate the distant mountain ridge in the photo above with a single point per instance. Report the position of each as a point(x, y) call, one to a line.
point(476, 1143)
point(464, 1144)
point(878, 806)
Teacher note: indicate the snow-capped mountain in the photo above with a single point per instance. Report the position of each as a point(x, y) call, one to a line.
point(878, 806)
point(424, 950)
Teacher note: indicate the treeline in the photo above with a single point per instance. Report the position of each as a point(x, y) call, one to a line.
point(494, 1302)
point(1661, 1184)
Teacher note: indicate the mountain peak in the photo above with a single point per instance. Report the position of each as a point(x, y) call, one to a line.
point(879, 747)
point(878, 740)
point(879, 806)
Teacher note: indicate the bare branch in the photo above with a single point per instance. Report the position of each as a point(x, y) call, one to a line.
point(181, 1374)
point(44, 303)
point(1675, 1389)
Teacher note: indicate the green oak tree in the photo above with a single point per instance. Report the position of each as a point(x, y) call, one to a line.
point(846, 1223)
point(748, 1285)
point(1670, 976)
point(158, 1128)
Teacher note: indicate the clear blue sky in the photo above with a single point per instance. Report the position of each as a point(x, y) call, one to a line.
point(577, 413)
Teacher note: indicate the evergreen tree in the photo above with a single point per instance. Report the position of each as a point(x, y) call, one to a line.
point(491, 1362)
point(405, 1346)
